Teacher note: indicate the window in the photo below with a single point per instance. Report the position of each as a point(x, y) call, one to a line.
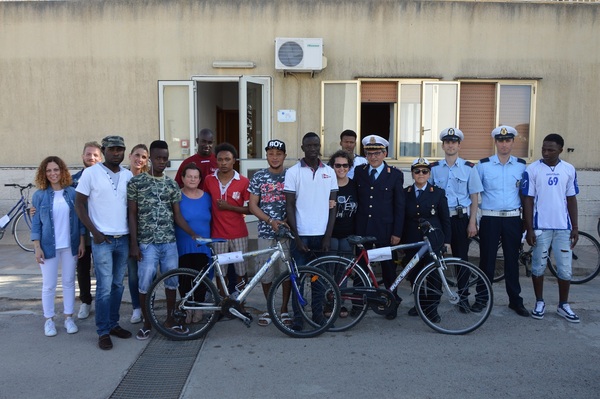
point(410, 114)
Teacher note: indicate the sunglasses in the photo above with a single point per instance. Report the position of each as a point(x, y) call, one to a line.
point(421, 171)
point(341, 165)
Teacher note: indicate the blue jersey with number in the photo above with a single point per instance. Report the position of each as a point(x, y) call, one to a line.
point(550, 186)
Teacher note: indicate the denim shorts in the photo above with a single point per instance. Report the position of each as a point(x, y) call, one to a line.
point(154, 255)
point(560, 240)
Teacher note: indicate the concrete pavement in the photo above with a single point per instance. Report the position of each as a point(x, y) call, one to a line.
point(510, 356)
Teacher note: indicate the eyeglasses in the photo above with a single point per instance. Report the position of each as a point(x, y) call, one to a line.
point(421, 171)
point(373, 153)
point(341, 165)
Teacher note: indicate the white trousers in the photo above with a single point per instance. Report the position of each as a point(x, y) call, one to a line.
point(68, 263)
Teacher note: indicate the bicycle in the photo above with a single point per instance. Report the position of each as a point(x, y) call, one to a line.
point(309, 291)
point(20, 217)
point(435, 290)
point(585, 263)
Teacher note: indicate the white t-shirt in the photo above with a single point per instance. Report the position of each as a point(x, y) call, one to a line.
point(358, 160)
point(107, 201)
point(312, 191)
point(61, 218)
point(550, 186)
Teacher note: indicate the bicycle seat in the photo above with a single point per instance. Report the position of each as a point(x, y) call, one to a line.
point(355, 240)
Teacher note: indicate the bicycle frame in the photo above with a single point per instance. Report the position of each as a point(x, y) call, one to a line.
point(276, 252)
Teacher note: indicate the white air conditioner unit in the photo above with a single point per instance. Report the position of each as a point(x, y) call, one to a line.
point(299, 54)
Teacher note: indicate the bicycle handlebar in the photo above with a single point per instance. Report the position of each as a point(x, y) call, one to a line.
point(18, 185)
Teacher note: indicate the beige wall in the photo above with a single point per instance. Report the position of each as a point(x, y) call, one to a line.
point(76, 71)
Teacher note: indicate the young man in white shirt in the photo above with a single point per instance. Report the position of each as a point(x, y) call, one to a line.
point(549, 188)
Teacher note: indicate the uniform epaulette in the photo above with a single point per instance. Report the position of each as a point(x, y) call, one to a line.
point(469, 164)
point(484, 160)
point(521, 160)
point(436, 163)
point(365, 165)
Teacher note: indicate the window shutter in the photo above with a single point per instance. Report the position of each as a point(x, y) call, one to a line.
point(477, 119)
point(379, 92)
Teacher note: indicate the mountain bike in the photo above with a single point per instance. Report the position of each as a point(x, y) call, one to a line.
point(307, 290)
point(442, 302)
point(585, 263)
point(20, 217)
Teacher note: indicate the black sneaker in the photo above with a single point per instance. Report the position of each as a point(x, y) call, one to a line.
point(478, 307)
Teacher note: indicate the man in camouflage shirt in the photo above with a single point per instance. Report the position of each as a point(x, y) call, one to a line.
point(153, 206)
point(267, 203)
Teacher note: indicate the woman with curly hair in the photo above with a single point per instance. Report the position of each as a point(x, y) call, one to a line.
point(57, 236)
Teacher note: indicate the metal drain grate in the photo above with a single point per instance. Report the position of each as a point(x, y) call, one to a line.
point(161, 370)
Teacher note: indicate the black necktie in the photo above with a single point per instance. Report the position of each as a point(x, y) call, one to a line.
point(419, 191)
point(373, 171)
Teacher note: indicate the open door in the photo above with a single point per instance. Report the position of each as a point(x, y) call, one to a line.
point(176, 116)
point(254, 123)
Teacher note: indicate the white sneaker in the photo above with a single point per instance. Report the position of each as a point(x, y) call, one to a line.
point(540, 309)
point(49, 328)
point(84, 311)
point(71, 326)
point(136, 317)
point(566, 312)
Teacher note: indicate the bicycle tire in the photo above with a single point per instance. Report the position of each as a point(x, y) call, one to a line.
point(474, 257)
point(156, 304)
point(21, 230)
point(454, 312)
point(354, 305)
point(318, 290)
point(586, 259)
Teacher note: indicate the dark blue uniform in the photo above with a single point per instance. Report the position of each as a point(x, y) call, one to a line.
point(380, 210)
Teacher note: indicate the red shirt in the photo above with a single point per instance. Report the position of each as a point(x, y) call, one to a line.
point(228, 224)
point(206, 164)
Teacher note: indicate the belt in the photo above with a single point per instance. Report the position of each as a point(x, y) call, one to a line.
point(502, 214)
point(117, 236)
point(453, 212)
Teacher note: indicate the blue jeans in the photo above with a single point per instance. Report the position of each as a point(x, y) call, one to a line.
point(154, 255)
point(110, 263)
point(132, 279)
point(560, 240)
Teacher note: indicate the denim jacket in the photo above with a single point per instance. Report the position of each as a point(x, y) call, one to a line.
point(42, 227)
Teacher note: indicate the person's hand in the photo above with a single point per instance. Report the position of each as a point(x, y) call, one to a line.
point(99, 238)
point(39, 256)
point(223, 205)
point(472, 229)
point(32, 210)
point(574, 237)
point(81, 251)
point(395, 240)
point(301, 246)
point(531, 238)
point(134, 252)
point(332, 204)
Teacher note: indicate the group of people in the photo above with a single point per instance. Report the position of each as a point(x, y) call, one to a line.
point(137, 220)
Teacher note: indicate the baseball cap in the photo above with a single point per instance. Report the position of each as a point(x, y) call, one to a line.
point(275, 144)
point(113, 141)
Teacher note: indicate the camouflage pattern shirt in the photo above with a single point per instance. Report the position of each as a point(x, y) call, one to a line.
point(269, 187)
point(155, 197)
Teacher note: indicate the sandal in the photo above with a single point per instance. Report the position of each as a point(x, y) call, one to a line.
point(180, 329)
point(188, 316)
point(143, 334)
point(264, 319)
point(343, 313)
point(286, 319)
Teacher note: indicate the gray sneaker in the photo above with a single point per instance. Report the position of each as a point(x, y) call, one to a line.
point(84, 311)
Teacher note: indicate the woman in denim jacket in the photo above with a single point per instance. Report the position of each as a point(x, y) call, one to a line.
point(57, 237)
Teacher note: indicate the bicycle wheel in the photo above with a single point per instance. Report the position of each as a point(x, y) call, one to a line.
point(475, 258)
point(354, 304)
point(21, 229)
point(449, 312)
point(314, 299)
point(586, 259)
point(174, 294)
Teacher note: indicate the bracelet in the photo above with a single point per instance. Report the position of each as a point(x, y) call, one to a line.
point(270, 220)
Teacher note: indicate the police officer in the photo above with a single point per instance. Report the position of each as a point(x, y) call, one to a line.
point(501, 176)
point(428, 202)
point(462, 184)
point(380, 202)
